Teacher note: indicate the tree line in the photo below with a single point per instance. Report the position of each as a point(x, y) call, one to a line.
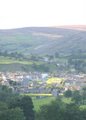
point(14, 106)
point(60, 110)
point(17, 107)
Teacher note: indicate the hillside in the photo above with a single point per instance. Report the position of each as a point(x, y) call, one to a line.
point(44, 40)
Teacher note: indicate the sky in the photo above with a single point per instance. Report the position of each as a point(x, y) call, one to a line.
point(29, 13)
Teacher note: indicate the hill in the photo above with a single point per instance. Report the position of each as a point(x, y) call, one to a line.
point(44, 40)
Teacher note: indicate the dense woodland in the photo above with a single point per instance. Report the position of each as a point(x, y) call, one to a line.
point(17, 107)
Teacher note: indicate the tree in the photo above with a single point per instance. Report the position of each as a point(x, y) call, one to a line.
point(27, 106)
point(12, 114)
point(53, 111)
point(77, 98)
point(68, 93)
point(3, 106)
point(25, 103)
point(72, 112)
point(58, 110)
point(83, 114)
point(5, 93)
point(84, 95)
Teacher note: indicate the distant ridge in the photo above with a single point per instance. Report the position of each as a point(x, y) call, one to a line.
point(44, 40)
point(74, 27)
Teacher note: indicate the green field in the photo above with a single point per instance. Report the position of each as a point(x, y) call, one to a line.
point(42, 101)
point(46, 100)
point(13, 64)
point(66, 100)
point(7, 60)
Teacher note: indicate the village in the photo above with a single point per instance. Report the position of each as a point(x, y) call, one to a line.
point(42, 83)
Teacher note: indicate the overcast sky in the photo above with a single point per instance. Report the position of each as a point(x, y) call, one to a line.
point(25, 13)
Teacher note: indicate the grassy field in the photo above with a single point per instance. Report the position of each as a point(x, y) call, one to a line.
point(42, 101)
point(12, 64)
point(66, 100)
point(7, 60)
point(83, 107)
point(46, 100)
